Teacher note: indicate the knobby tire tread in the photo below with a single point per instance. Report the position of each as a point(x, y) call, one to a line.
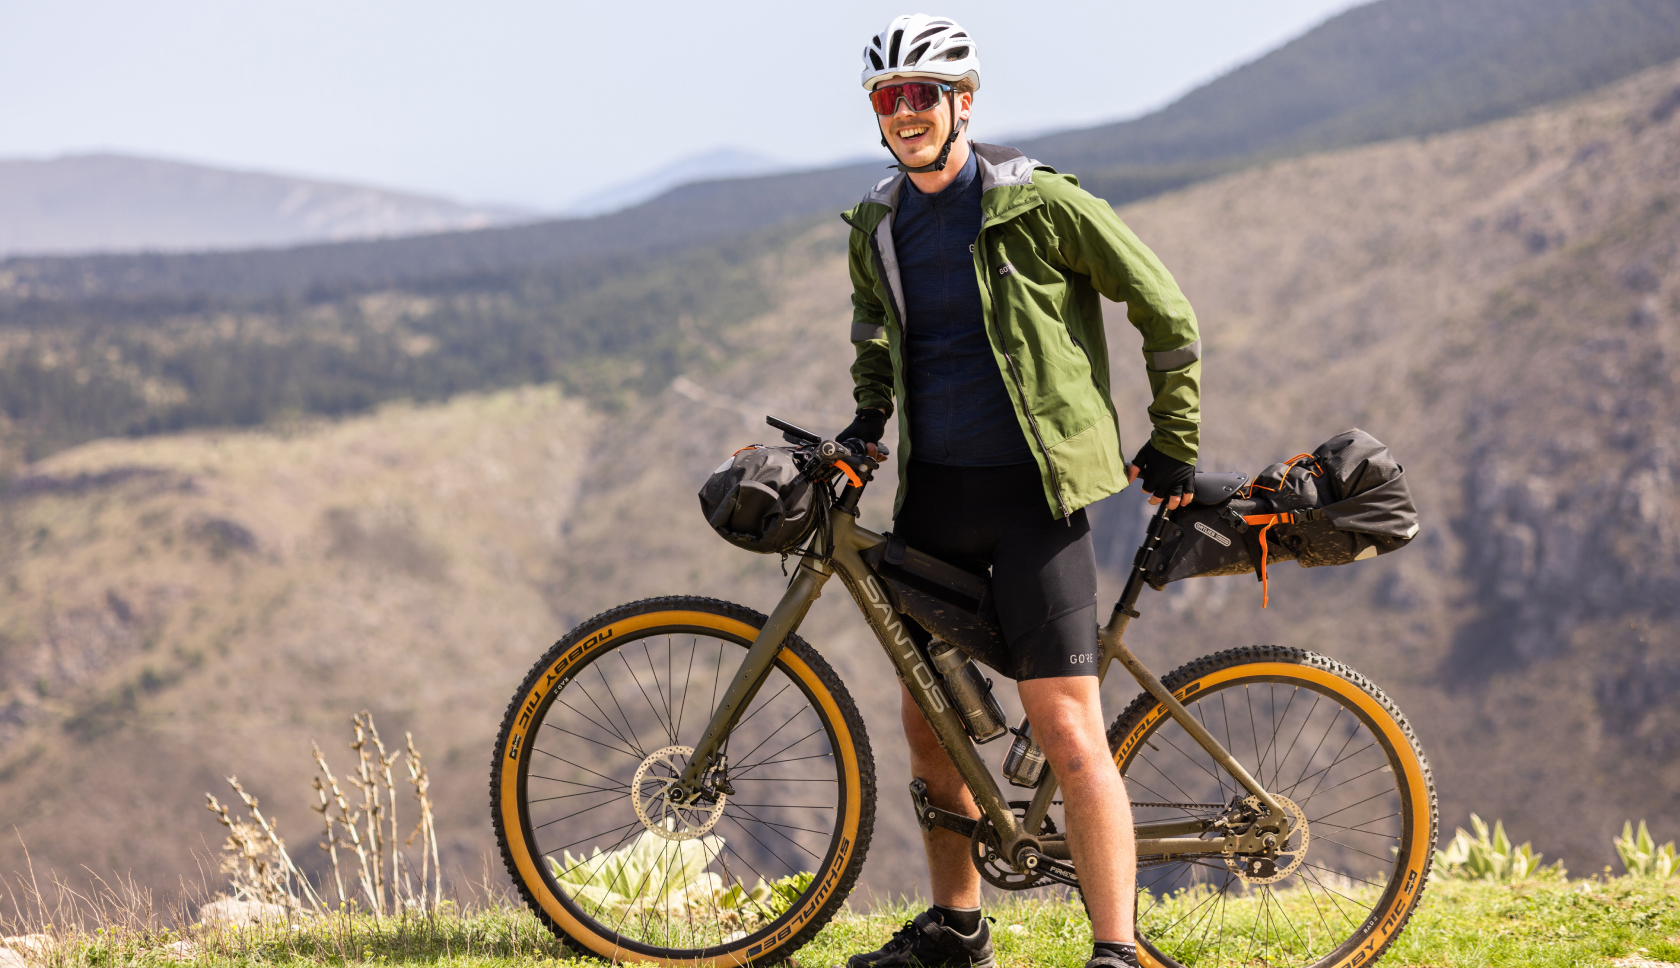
point(850, 720)
point(1245, 655)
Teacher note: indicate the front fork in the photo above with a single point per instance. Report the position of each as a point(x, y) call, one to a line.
point(805, 588)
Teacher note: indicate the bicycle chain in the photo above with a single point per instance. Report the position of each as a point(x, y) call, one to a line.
point(1204, 807)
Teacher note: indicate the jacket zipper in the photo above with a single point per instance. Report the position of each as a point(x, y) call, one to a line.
point(1020, 388)
point(881, 273)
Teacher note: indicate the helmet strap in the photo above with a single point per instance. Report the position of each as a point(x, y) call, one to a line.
point(938, 164)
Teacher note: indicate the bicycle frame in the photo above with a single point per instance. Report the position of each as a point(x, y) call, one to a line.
point(839, 550)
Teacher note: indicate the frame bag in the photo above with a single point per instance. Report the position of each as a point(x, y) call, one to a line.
point(761, 500)
point(1346, 501)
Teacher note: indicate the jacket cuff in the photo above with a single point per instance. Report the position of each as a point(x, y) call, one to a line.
point(873, 398)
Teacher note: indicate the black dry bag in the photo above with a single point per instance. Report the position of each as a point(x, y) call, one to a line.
point(1346, 501)
point(760, 500)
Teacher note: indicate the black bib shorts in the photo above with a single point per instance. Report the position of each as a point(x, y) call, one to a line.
point(1044, 571)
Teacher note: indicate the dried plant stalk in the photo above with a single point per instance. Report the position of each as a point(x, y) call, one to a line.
point(259, 868)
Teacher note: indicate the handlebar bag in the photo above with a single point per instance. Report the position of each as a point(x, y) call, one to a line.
point(1346, 501)
point(761, 500)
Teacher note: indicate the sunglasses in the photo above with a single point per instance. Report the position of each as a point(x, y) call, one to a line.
point(919, 95)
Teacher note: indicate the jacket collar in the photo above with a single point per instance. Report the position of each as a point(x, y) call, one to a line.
point(1000, 168)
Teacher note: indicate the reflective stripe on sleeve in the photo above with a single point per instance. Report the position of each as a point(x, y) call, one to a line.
point(1173, 359)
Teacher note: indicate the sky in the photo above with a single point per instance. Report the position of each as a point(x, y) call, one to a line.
point(537, 104)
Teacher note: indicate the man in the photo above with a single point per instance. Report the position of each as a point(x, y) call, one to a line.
point(976, 275)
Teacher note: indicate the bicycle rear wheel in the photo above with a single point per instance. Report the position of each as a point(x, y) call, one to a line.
point(603, 724)
point(1319, 735)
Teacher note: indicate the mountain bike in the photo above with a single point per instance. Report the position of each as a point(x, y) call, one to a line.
point(686, 781)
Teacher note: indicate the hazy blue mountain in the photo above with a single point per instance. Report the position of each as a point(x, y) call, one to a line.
point(116, 203)
point(706, 166)
point(1389, 69)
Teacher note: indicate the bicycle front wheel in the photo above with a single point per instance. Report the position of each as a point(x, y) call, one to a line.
point(745, 872)
point(1345, 763)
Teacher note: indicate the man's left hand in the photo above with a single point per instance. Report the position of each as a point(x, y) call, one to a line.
point(1169, 479)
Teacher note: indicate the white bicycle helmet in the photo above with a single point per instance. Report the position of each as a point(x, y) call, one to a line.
point(917, 44)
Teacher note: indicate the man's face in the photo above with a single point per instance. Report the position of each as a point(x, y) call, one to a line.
point(916, 138)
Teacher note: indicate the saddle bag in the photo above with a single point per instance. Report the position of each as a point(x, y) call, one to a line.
point(943, 600)
point(1346, 501)
point(761, 500)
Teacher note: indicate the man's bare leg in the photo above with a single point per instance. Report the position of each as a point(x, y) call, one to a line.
point(956, 884)
point(1066, 717)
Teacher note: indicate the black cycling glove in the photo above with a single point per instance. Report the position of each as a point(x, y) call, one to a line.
point(1163, 476)
point(868, 427)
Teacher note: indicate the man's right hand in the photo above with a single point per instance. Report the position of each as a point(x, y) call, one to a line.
point(867, 426)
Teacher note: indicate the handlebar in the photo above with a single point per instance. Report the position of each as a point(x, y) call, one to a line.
point(827, 448)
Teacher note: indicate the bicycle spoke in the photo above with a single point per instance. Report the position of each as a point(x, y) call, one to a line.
point(1307, 745)
point(668, 892)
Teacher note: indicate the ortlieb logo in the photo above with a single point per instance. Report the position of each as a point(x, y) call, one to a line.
point(1213, 534)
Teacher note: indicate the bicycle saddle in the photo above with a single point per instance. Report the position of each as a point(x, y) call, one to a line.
point(1218, 487)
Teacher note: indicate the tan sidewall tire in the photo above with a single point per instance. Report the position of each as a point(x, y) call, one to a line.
point(839, 868)
point(1322, 674)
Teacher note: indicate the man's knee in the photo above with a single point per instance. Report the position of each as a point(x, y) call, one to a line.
point(1067, 724)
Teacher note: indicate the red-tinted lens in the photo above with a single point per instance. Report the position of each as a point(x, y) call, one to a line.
point(920, 95)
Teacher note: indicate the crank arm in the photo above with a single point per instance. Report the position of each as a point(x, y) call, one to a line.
point(930, 816)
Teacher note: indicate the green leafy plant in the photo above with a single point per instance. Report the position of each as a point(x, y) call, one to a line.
point(1641, 855)
point(1491, 857)
point(668, 878)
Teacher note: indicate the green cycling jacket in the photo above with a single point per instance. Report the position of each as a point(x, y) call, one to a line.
point(1047, 249)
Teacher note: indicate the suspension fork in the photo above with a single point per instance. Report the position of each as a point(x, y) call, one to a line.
point(805, 588)
point(1114, 648)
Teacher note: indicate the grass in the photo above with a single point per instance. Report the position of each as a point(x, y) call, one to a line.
point(1534, 923)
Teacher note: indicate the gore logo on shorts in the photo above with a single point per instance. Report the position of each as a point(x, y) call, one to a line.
point(1213, 534)
point(1084, 658)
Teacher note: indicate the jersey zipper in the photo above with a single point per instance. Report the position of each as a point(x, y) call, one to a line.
point(1020, 388)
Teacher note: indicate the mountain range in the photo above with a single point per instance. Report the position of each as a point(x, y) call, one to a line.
point(110, 202)
point(1396, 68)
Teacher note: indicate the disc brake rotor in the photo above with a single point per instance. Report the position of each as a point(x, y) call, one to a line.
point(659, 812)
point(1265, 869)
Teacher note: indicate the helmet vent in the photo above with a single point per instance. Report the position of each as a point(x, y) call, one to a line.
point(959, 34)
point(915, 56)
point(924, 35)
point(892, 52)
point(876, 59)
point(876, 41)
point(956, 53)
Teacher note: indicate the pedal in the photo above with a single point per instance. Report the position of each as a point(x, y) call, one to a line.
point(930, 816)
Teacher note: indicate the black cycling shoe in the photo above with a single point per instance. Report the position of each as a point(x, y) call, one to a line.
point(925, 943)
point(1116, 955)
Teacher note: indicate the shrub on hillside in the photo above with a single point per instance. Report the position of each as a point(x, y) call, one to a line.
point(1491, 857)
point(1641, 855)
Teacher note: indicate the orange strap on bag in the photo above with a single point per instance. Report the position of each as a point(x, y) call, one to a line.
point(1266, 521)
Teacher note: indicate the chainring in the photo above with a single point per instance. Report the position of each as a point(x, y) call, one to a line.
point(983, 850)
